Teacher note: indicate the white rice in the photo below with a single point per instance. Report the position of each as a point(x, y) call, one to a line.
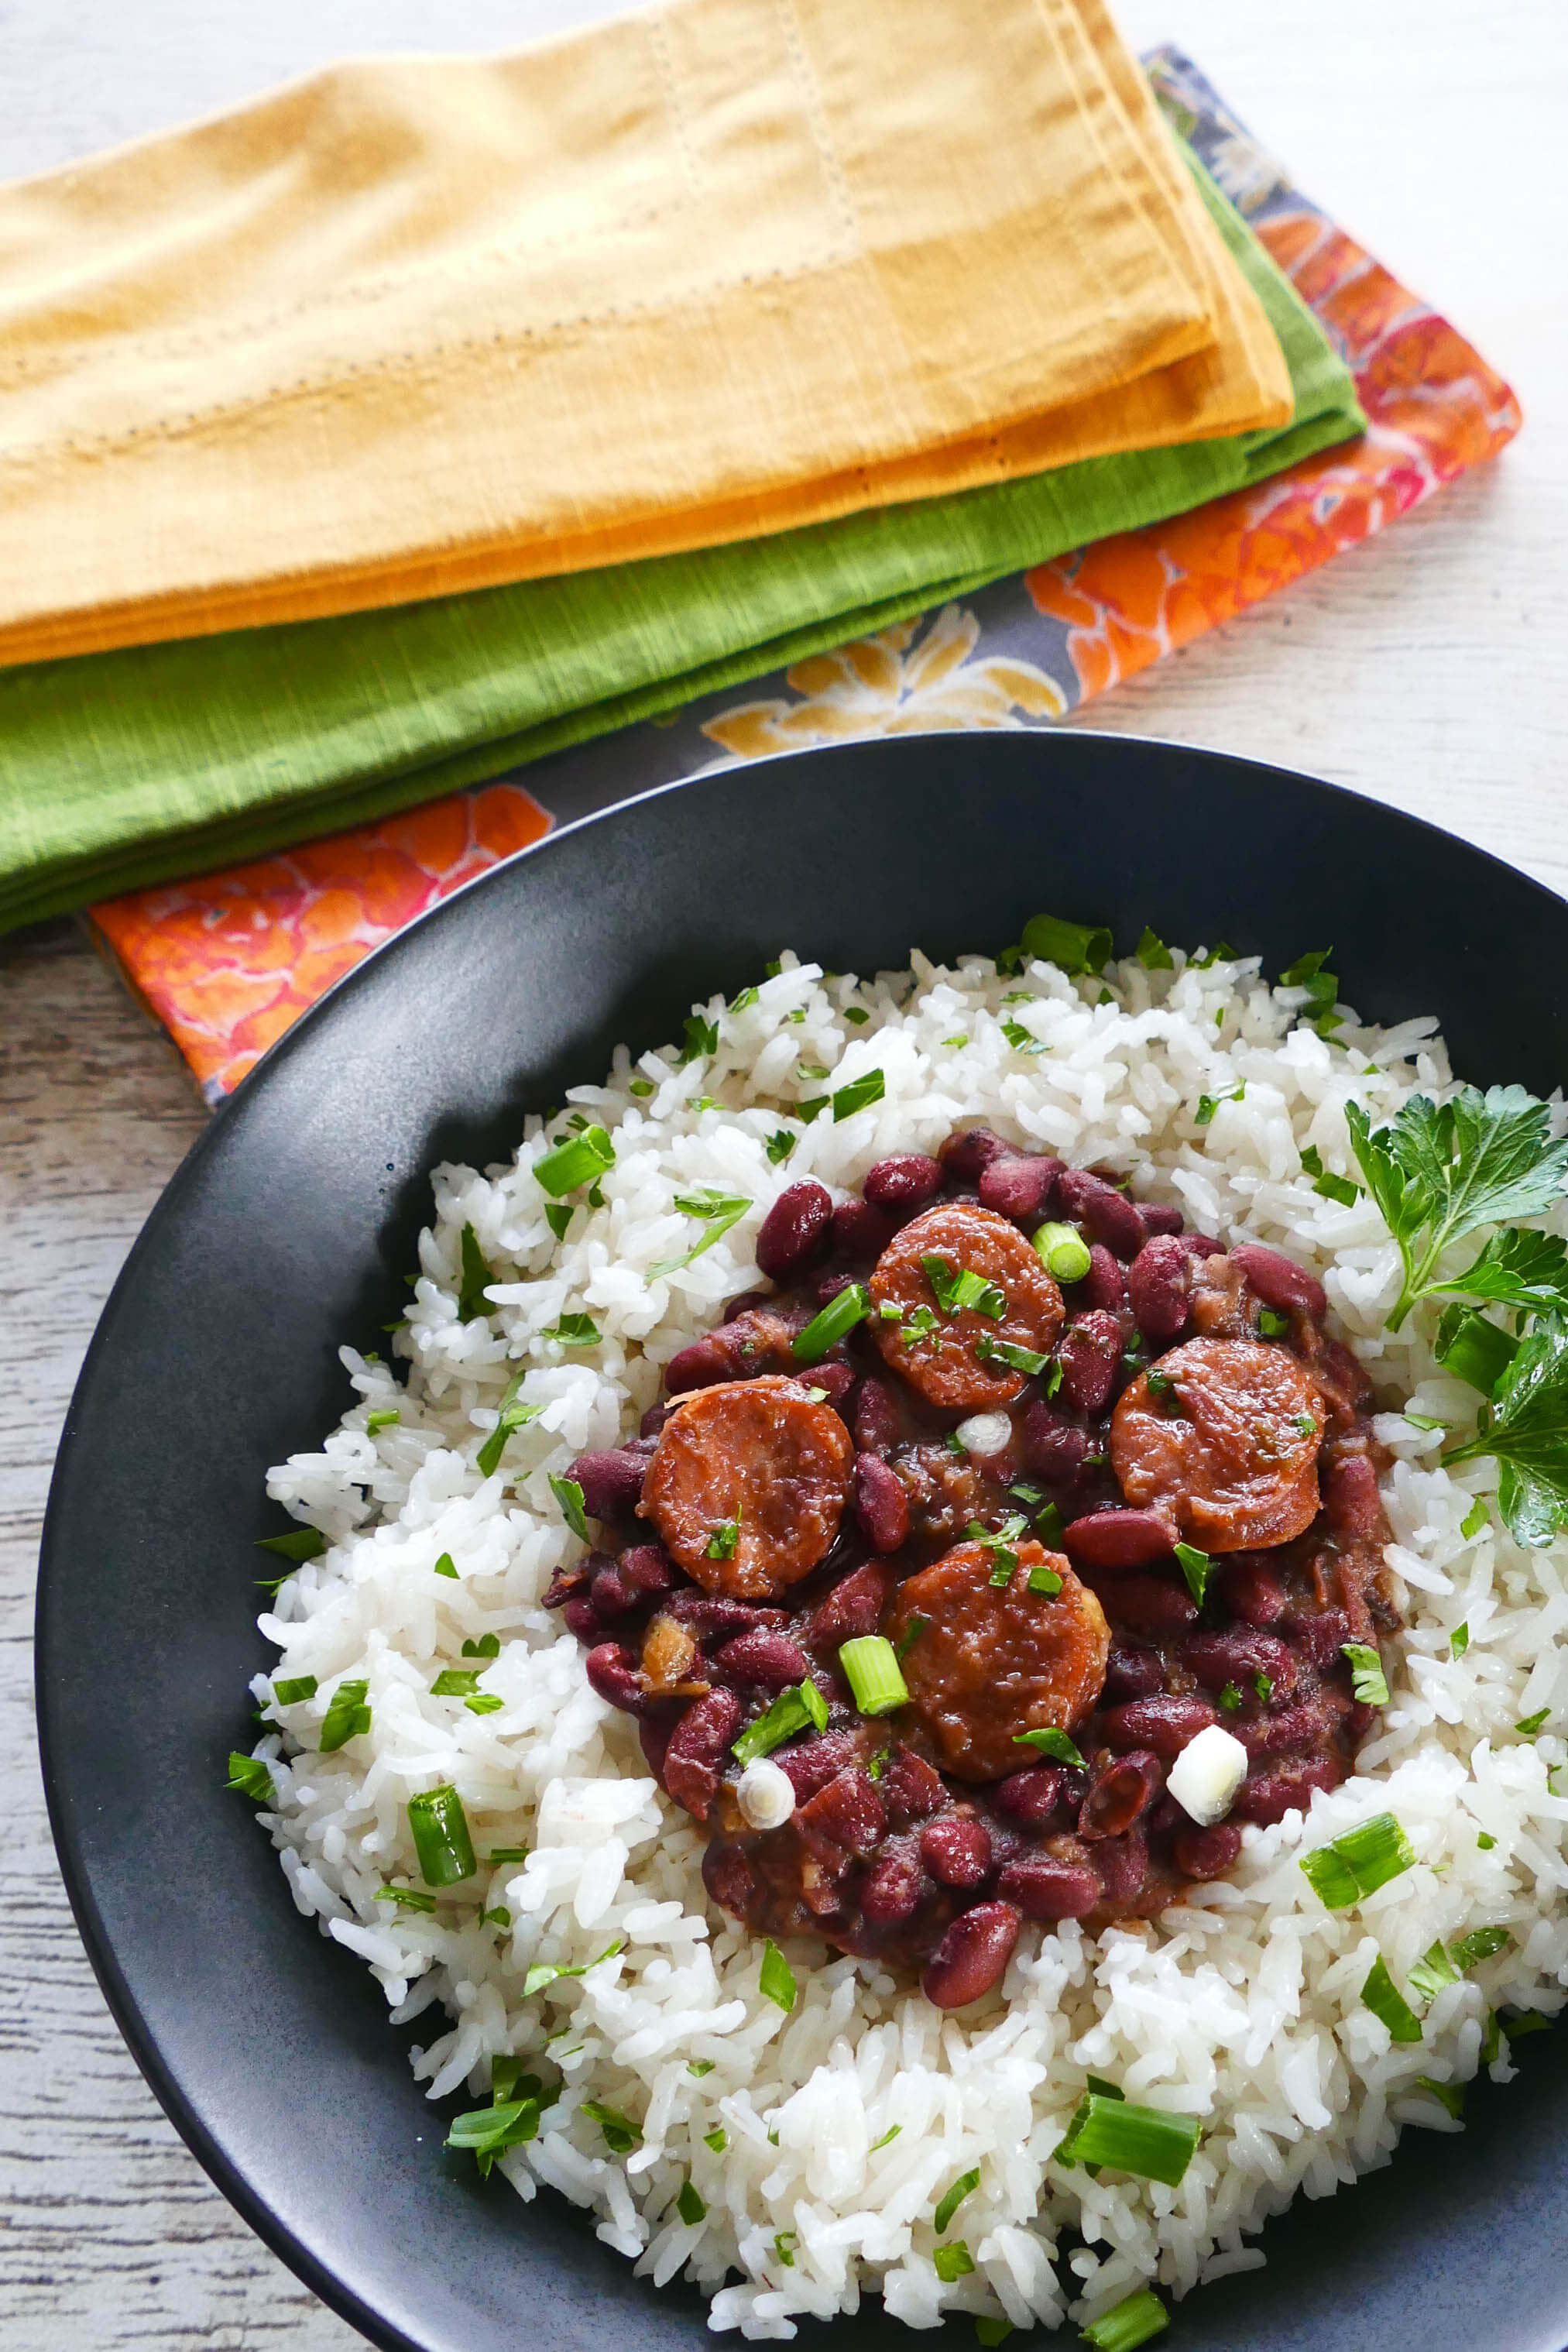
point(1241, 2005)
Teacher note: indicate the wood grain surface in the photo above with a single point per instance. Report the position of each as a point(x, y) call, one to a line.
point(1427, 670)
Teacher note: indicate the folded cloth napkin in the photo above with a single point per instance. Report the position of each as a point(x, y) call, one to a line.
point(229, 961)
point(136, 766)
point(716, 270)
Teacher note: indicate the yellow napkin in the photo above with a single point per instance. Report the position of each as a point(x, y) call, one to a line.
point(718, 269)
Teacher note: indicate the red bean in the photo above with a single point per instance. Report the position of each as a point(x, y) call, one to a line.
point(770, 1662)
point(653, 1420)
point(881, 1505)
point(1044, 1889)
point(876, 1419)
point(1157, 1281)
point(1144, 1604)
point(829, 1285)
point(1124, 1867)
point(1165, 1722)
point(972, 1956)
point(1351, 1498)
point(612, 1482)
point(1133, 1673)
point(1216, 1659)
point(893, 1889)
point(1158, 1219)
point(1053, 1446)
point(697, 1749)
point(580, 1617)
point(1279, 1281)
point(701, 1366)
point(1120, 1794)
point(1207, 1854)
point(852, 1609)
point(1276, 1735)
point(911, 1790)
point(1105, 1283)
point(1033, 1797)
point(1021, 1189)
point(567, 1582)
point(813, 1763)
point(861, 1229)
point(611, 1594)
point(713, 1613)
point(1287, 1789)
point(1318, 1638)
point(611, 1671)
point(1204, 1245)
point(729, 1878)
point(1089, 1354)
point(848, 1812)
point(1118, 1538)
point(956, 1851)
point(1251, 1591)
point(654, 1731)
point(966, 1153)
point(1105, 1215)
point(795, 1229)
point(835, 1380)
point(907, 1181)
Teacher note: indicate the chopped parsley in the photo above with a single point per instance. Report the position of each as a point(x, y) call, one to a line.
point(1209, 1104)
point(1459, 1640)
point(701, 1040)
point(718, 1212)
point(776, 1980)
point(512, 1415)
point(1367, 1678)
point(573, 1331)
point(544, 1972)
point(1197, 1566)
point(1050, 1742)
point(1004, 1351)
point(779, 1145)
point(1073, 947)
point(954, 2198)
point(1322, 990)
point(621, 2133)
point(1388, 2004)
point(1230, 1698)
point(857, 1095)
point(568, 1496)
point(721, 1544)
point(558, 1216)
point(475, 1274)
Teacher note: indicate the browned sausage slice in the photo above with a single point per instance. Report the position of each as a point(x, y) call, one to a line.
point(748, 1485)
point(994, 1661)
point(937, 1350)
point(1229, 1450)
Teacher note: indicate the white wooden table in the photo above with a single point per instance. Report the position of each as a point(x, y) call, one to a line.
point(1428, 669)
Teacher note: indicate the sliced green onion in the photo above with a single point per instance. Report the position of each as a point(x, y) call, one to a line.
point(954, 2198)
point(1485, 1839)
point(872, 1668)
point(784, 2247)
point(1430, 1975)
point(559, 1216)
point(512, 1415)
point(1022, 1039)
point(251, 1776)
point(455, 1682)
point(499, 1916)
point(294, 1692)
point(1072, 946)
point(445, 1566)
point(1063, 1251)
point(1305, 1425)
point(1003, 1563)
point(991, 2332)
point(790, 1712)
point(721, 1544)
point(690, 2205)
point(300, 1543)
point(1459, 1640)
point(485, 1703)
point(1367, 1678)
point(573, 1331)
point(568, 1496)
point(374, 1420)
point(1003, 1351)
point(811, 1070)
point(1130, 2324)
point(961, 1038)
point(1230, 1698)
point(408, 1898)
point(852, 1305)
point(1450, 2095)
point(346, 1717)
point(779, 1145)
point(910, 1635)
point(544, 1972)
point(439, 1827)
point(475, 1274)
point(1044, 1581)
point(1271, 1324)
point(1530, 1724)
point(500, 1854)
point(1031, 1496)
point(1387, 2002)
point(1264, 1685)
point(890, 2135)
point(700, 2067)
point(1049, 1742)
point(581, 1160)
point(1480, 1944)
point(776, 1981)
point(1474, 1520)
point(1148, 2141)
point(808, 1111)
point(1197, 1566)
point(1360, 1861)
point(1050, 1527)
point(621, 2133)
point(489, 2131)
point(857, 1094)
point(1152, 951)
point(962, 1290)
point(717, 2140)
point(952, 2261)
point(1529, 2021)
point(1473, 1350)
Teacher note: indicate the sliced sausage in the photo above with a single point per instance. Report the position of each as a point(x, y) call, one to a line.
point(936, 1352)
point(748, 1485)
point(995, 1661)
point(1229, 1448)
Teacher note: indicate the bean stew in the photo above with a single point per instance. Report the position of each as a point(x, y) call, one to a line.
point(937, 1555)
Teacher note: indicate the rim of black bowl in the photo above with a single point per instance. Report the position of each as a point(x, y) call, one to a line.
point(205, 2136)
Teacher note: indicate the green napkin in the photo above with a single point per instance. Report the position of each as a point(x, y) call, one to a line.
point(125, 769)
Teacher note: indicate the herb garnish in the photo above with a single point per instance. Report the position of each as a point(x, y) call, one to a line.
point(1152, 951)
point(776, 1979)
point(857, 1094)
point(961, 1289)
point(1387, 2003)
point(251, 1776)
point(1367, 1678)
point(1149, 2141)
point(702, 1039)
point(581, 1160)
point(1050, 1742)
point(568, 1494)
point(1322, 990)
point(1359, 1861)
point(513, 1414)
point(544, 1972)
point(573, 1331)
point(470, 1299)
point(718, 1212)
point(779, 1145)
point(346, 1717)
point(1525, 1427)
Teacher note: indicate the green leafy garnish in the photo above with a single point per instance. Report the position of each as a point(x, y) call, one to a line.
point(701, 1040)
point(568, 1496)
point(777, 1980)
point(779, 1145)
point(1149, 2141)
point(294, 1692)
point(1387, 2002)
point(1448, 2095)
point(851, 1306)
point(1525, 1427)
point(488, 2132)
point(621, 2133)
point(439, 1827)
point(954, 2198)
point(374, 1420)
point(790, 1712)
point(1366, 1676)
point(910, 1635)
point(1321, 987)
point(1359, 1861)
point(641, 1087)
point(1152, 951)
point(1021, 1040)
point(573, 1331)
point(1197, 1567)
point(298, 1544)
point(960, 1289)
point(1072, 946)
point(1459, 1640)
point(1050, 1742)
point(718, 2139)
point(1437, 1174)
point(475, 1274)
point(558, 1216)
point(251, 1776)
point(455, 1682)
point(1475, 1519)
point(747, 997)
point(1472, 1349)
point(1530, 1724)
point(1519, 1268)
point(488, 1645)
point(690, 2205)
point(1331, 1187)
point(1430, 1975)
point(1480, 1944)
point(1230, 1698)
point(513, 1414)
point(446, 1565)
point(721, 1544)
point(1209, 1104)
point(580, 1160)
point(1131, 2322)
point(857, 1094)
point(718, 1212)
point(953, 2261)
point(544, 1972)
point(890, 2135)
point(407, 1898)
point(346, 1717)
point(1003, 1351)
point(784, 2247)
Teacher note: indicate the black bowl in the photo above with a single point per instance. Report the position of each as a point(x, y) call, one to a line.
point(290, 1227)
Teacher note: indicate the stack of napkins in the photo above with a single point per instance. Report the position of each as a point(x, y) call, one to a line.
point(434, 413)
